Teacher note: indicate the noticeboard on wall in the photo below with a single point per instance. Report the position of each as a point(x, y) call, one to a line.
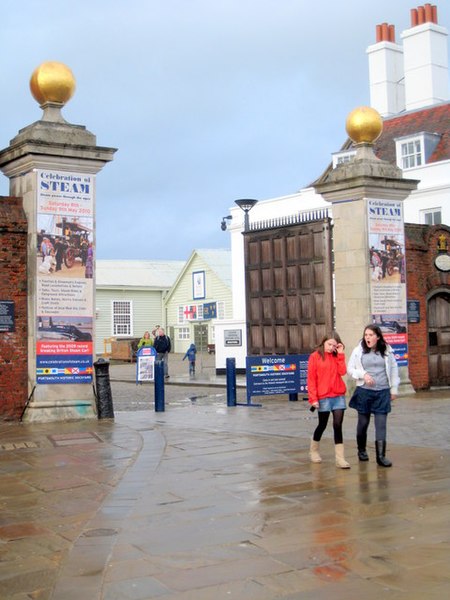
point(413, 311)
point(232, 337)
point(6, 316)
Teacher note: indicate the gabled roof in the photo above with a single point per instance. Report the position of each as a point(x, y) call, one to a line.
point(156, 274)
point(435, 119)
point(219, 261)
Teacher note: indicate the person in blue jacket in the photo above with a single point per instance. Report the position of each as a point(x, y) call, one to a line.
point(190, 355)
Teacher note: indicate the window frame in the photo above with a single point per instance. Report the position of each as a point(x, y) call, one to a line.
point(433, 212)
point(116, 325)
point(343, 157)
point(183, 333)
point(412, 159)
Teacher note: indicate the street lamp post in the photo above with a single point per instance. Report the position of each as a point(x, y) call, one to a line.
point(246, 205)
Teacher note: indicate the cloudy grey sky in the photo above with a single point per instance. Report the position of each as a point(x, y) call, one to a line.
point(206, 100)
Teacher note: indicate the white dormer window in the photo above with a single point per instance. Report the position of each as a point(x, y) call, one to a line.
point(415, 151)
point(410, 154)
point(339, 158)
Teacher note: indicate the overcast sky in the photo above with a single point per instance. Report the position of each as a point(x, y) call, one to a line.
point(207, 101)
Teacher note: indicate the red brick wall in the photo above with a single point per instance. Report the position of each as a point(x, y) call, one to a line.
point(13, 287)
point(422, 279)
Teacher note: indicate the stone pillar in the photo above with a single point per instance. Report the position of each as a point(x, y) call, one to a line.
point(356, 189)
point(52, 165)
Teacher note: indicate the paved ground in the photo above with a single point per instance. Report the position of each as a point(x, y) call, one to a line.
point(204, 501)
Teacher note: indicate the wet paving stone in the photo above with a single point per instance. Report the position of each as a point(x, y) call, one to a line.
point(203, 503)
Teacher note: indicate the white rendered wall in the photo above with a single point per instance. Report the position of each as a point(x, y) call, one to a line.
point(387, 92)
point(223, 351)
point(426, 65)
point(433, 191)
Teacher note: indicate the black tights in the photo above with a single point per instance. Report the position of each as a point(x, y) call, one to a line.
point(380, 425)
point(338, 417)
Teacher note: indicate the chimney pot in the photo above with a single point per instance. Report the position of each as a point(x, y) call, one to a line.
point(421, 13)
point(392, 33)
point(378, 33)
point(434, 18)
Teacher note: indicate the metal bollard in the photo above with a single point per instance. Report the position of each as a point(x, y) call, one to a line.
point(104, 401)
point(159, 386)
point(231, 381)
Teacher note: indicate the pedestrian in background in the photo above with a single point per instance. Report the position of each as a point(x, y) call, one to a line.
point(146, 340)
point(162, 345)
point(372, 364)
point(326, 393)
point(191, 353)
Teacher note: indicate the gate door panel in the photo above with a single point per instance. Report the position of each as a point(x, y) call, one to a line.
point(288, 287)
point(439, 338)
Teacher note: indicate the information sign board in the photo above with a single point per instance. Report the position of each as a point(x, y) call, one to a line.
point(276, 374)
point(6, 315)
point(145, 364)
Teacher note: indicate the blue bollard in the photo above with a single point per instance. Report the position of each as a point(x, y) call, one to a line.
point(293, 397)
point(159, 386)
point(231, 381)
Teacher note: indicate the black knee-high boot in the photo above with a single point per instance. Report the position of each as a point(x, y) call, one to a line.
point(361, 440)
point(380, 446)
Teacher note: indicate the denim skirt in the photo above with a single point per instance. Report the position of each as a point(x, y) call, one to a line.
point(371, 401)
point(330, 404)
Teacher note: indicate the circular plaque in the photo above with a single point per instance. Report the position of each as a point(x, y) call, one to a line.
point(442, 262)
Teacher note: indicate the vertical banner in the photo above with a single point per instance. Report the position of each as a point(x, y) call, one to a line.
point(198, 285)
point(387, 273)
point(64, 277)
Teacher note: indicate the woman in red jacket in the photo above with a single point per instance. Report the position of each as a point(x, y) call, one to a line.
point(326, 393)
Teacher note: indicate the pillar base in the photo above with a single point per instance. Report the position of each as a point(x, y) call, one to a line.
point(45, 412)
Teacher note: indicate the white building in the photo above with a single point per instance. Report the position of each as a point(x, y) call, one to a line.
point(130, 298)
point(409, 86)
point(199, 299)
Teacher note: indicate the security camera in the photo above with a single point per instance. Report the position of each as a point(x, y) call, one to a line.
point(223, 225)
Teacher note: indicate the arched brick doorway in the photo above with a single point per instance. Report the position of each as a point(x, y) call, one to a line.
point(438, 310)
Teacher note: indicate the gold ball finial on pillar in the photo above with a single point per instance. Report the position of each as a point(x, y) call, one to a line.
point(364, 125)
point(52, 82)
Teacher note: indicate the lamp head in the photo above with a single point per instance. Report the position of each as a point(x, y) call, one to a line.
point(246, 204)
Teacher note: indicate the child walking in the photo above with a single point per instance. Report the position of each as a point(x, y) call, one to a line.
point(190, 355)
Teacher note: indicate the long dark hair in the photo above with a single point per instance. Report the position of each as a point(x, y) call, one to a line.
point(381, 346)
point(331, 335)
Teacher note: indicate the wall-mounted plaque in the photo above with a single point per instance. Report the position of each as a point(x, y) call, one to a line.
point(6, 315)
point(442, 262)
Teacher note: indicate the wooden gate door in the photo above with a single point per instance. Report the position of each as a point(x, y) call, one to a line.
point(439, 338)
point(288, 287)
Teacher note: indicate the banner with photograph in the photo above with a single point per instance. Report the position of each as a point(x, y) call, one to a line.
point(387, 273)
point(64, 277)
